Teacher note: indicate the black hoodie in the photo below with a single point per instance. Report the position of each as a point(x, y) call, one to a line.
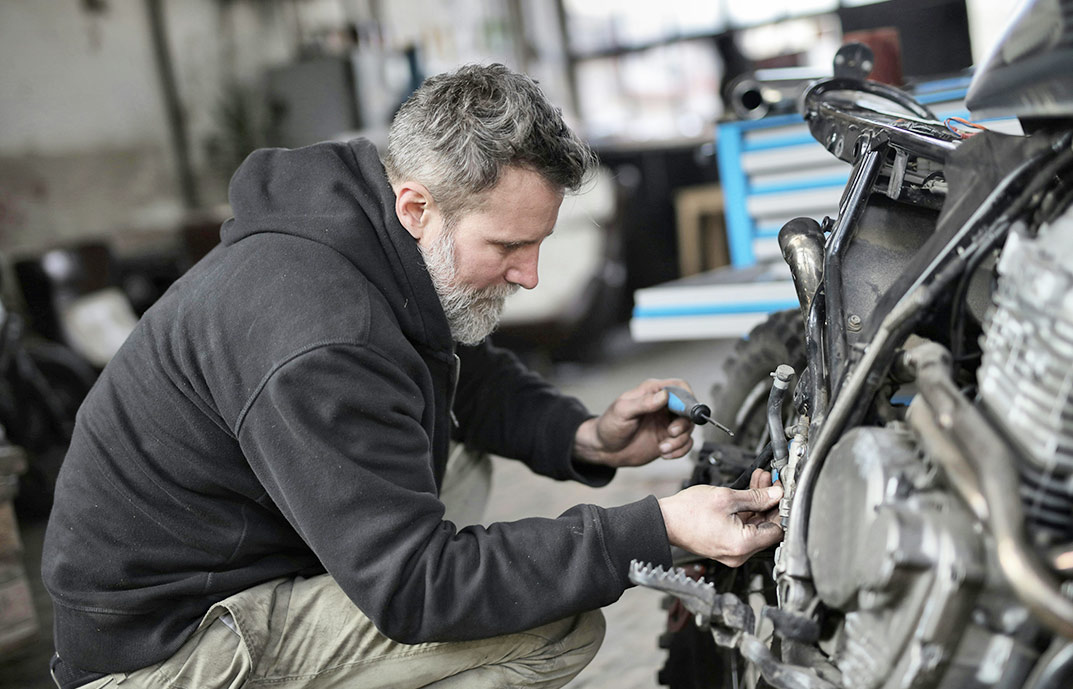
point(285, 409)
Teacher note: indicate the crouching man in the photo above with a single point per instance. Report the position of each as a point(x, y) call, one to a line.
point(252, 495)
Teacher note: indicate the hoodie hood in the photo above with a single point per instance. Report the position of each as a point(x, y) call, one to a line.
point(337, 194)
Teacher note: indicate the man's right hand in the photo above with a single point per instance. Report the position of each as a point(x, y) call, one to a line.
point(723, 524)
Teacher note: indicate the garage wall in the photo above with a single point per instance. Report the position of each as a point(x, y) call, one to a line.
point(84, 147)
point(84, 142)
point(81, 119)
point(73, 80)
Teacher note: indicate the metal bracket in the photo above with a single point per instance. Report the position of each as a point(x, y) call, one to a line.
point(897, 174)
point(732, 623)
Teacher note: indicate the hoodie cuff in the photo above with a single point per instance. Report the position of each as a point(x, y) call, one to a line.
point(566, 423)
point(636, 532)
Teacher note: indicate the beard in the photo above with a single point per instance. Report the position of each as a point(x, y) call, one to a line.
point(473, 314)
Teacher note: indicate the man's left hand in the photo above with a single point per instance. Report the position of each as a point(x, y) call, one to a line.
point(636, 429)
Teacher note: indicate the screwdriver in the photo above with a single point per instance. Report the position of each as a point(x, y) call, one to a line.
point(681, 403)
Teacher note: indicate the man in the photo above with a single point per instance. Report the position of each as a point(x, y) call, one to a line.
point(251, 495)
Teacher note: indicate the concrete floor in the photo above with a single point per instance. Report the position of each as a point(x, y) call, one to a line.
point(629, 658)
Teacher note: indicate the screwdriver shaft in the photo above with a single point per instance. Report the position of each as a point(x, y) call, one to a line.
point(718, 425)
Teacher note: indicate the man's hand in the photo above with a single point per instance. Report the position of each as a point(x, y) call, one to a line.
point(635, 429)
point(723, 524)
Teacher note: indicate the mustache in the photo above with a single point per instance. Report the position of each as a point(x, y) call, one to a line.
point(457, 298)
point(496, 292)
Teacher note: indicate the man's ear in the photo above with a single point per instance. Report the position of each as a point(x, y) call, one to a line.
point(414, 207)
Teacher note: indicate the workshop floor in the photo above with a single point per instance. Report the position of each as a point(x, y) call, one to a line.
point(629, 658)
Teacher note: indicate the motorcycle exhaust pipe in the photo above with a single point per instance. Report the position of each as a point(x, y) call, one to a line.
point(757, 94)
point(748, 100)
point(802, 242)
point(957, 436)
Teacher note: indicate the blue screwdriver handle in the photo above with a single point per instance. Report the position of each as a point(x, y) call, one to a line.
point(682, 403)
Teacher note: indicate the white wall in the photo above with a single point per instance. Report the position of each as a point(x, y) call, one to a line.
point(217, 52)
point(73, 81)
point(84, 141)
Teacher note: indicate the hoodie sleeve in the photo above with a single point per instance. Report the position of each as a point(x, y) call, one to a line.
point(504, 408)
point(349, 468)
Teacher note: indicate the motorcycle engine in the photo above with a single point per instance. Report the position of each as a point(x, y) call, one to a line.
point(896, 554)
point(908, 576)
point(1026, 375)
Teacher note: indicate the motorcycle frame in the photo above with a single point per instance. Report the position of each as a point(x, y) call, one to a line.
point(880, 144)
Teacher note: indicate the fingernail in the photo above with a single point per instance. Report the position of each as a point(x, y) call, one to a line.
point(665, 448)
point(774, 492)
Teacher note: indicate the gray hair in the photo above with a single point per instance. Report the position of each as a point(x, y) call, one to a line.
point(459, 131)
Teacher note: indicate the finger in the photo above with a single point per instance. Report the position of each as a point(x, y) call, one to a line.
point(640, 401)
point(752, 539)
point(771, 515)
point(755, 499)
point(660, 383)
point(673, 448)
point(679, 426)
point(649, 396)
point(762, 536)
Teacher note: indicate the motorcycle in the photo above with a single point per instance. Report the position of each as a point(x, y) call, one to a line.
point(921, 414)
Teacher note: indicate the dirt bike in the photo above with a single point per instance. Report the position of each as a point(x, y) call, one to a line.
point(921, 414)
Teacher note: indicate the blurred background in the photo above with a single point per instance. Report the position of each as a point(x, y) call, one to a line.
point(121, 122)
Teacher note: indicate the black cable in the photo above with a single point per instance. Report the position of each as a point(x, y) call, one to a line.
point(937, 173)
point(1063, 157)
point(762, 460)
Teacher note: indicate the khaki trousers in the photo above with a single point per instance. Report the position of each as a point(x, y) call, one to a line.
point(306, 634)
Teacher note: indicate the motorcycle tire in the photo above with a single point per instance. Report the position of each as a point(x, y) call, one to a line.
point(739, 401)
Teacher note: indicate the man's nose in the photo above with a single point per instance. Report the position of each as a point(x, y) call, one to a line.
point(524, 270)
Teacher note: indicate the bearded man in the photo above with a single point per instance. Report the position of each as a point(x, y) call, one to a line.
point(252, 495)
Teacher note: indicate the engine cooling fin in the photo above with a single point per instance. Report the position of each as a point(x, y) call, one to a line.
point(1026, 373)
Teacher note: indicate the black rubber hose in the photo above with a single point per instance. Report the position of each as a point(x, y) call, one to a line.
point(762, 461)
point(783, 374)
